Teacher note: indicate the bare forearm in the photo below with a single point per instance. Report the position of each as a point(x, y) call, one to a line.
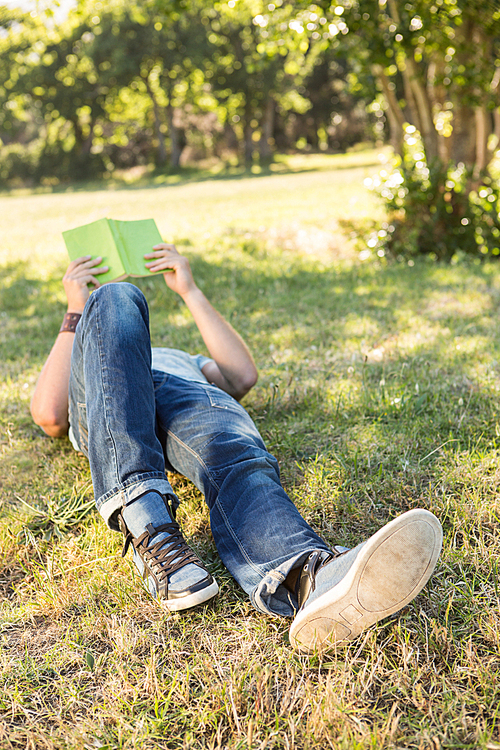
point(224, 344)
point(49, 405)
point(233, 368)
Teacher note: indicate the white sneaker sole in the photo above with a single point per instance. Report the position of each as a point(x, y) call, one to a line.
point(192, 600)
point(390, 570)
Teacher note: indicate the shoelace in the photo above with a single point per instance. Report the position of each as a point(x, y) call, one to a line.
point(165, 556)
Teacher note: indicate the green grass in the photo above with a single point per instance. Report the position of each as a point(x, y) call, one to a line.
point(379, 392)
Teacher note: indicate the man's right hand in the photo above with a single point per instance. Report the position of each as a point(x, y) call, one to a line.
point(80, 273)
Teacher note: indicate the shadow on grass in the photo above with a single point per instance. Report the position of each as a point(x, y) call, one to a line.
point(30, 313)
point(364, 303)
point(331, 320)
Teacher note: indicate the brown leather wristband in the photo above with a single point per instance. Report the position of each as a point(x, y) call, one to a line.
point(70, 321)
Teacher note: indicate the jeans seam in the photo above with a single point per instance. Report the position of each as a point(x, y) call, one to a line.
point(160, 385)
point(104, 391)
point(196, 455)
point(237, 541)
point(219, 507)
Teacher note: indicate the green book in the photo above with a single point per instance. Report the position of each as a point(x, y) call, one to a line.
point(122, 245)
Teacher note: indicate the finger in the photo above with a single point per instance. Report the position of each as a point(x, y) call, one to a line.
point(92, 262)
point(104, 269)
point(86, 261)
point(157, 254)
point(77, 262)
point(165, 246)
point(80, 277)
point(165, 252)
point(90, 265)
point(161, 265)
point(90, 279)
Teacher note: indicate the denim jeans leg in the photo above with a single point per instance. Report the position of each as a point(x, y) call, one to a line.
point(112, 400)
point(258, 531)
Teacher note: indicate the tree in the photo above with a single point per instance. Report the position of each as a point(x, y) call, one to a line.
point(436, 64)
point(51, 72)
point(260, 56)
point(158, 50)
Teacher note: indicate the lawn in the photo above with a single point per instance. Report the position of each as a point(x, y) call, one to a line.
point(378, 392)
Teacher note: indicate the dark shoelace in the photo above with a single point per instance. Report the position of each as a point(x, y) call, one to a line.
point(165, 556)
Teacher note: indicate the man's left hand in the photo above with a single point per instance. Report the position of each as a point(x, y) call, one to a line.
point(178, 276)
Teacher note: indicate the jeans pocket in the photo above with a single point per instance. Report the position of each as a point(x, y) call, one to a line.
point(159, 378)
point(219, 399)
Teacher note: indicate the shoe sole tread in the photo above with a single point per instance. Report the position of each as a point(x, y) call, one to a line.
point(406, 549)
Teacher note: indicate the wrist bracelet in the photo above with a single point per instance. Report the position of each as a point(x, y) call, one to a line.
point(70, 321)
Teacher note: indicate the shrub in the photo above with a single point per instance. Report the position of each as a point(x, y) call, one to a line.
point(437, 210)
point(18, 162)
point(36, 162)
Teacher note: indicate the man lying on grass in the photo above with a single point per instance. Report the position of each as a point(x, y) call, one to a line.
point(138, 412)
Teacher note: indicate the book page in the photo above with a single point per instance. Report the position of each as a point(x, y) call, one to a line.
point(96, 239)
point(134, 240)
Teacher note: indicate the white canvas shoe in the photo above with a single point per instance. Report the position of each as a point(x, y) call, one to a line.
point(340, 595)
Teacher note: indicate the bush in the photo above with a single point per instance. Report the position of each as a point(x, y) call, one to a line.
point(434, 210)
point(38, 161)
point(18, 162)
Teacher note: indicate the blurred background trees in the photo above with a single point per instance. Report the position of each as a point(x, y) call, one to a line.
point(166, 83)
point(122, 84)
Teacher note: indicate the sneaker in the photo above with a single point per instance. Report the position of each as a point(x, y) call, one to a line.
point(173, 573)
point(342, 594)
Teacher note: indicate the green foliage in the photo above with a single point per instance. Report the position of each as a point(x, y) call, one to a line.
point(19, 162)
point(132, 83)
point(432, 209)
point(436, 68)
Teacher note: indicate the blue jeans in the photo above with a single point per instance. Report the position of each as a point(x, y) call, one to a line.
point(135, 423)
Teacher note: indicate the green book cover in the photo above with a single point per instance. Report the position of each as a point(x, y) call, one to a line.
point(122, 245)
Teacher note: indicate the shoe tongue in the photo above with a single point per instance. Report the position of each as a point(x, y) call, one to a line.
point(306, 582)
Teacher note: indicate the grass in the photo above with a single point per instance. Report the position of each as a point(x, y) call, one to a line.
point(379, 392)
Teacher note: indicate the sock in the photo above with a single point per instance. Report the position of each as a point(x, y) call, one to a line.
point(151, 508)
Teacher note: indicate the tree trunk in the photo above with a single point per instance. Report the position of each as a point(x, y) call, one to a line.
point(394, 113)
point(418, 97)
point(83, 144)
point(463, 139)
point(176, 140)
point(496, 132)
point(161, 148)
point(410, 99)
point(88, 141)
point(266, 140)
point(427, 131)
point(248, 142)
point(483, 131)
point(437, 99)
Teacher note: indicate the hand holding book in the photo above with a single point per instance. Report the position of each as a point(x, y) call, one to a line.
point(121, 244)
point(175, 267)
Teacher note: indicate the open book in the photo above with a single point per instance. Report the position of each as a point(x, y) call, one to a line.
point(122, 245)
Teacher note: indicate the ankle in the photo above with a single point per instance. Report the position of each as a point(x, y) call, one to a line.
point(149, 509)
